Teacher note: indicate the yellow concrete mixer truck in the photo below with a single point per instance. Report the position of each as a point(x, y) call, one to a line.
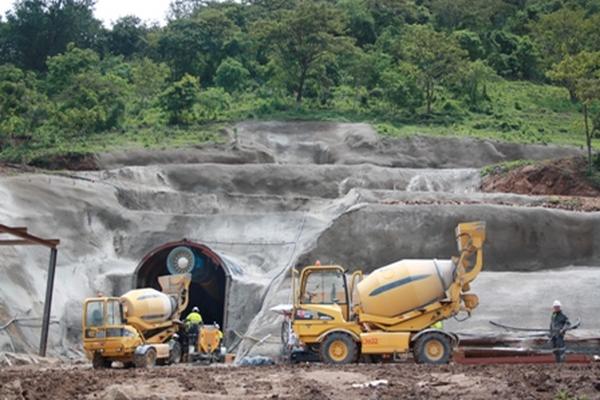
point(339, 318)
point(139, 328)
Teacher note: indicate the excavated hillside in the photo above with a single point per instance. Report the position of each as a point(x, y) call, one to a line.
point(565, 177)
point(280, 195)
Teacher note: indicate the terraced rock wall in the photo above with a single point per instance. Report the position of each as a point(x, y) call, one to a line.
point(278, 196)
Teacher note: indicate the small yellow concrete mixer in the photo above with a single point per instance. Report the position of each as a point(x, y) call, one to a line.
point(139, 328)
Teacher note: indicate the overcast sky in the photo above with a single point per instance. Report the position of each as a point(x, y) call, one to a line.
point(110, 10)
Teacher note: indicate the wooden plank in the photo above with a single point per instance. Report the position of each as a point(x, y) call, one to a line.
point(460, 358)
point(51, 243)
point(17, 243)
point(18, 228)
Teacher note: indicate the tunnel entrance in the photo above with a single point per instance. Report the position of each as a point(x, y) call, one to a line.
point(208, 290)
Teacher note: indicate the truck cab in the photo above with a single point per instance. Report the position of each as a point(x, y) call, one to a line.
point(322, 307)
point(106, 336)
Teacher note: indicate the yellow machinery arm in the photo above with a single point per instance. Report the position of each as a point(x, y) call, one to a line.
point(470, 237)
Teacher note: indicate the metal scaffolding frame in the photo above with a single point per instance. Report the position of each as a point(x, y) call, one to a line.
point(23, 238)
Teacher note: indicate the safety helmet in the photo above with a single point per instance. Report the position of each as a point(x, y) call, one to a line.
point(556, 304)
point(195, 309)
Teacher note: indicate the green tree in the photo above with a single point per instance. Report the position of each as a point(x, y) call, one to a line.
point(301, 38)
point(474, 77)
point(197, 45)
point(366, 67)
point(181, 9)
point(563, 32)
point(437, 56)
point(127, 36)
point(396, 13)
point(63, 67)
point(214, 102)
point(512, 56)
point(400, 86)
point(360, 23)
point(92, 102)
point(148, 81)
point(22, 106)
point(477, 15)
point(90, 93)
point(179, 99)
point(178, 46)
point(581, 72)
point(41, 28)
point(471, 42)
point(232, 75)
point(527, 59)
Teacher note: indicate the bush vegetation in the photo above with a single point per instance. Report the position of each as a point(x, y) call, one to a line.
point(525, 71)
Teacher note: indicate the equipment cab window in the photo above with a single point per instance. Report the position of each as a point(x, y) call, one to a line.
point(324, 287)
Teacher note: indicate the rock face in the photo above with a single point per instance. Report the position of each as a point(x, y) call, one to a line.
point(338, 143)
point(277, 196)
point(518, 239)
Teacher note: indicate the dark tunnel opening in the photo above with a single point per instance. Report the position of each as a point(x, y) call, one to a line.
point(208, 292)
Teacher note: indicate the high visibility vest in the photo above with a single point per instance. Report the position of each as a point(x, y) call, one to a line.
point(194, 318)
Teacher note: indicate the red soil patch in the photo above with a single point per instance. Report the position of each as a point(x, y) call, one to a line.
point(564, 177)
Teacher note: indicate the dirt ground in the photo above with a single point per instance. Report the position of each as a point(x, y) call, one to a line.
point(303, 382)
point(563, 177)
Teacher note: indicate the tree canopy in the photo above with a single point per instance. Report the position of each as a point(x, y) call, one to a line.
point(64, 74)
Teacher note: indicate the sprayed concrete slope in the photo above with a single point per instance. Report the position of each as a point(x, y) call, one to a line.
point(279, 195)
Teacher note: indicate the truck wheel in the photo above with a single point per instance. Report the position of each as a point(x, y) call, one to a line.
point(146, 360)
point(432, 348)
point(175, 353)
point(338, 348)
point(99, 362)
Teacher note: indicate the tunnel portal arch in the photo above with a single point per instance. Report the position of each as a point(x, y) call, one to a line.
point(211, 296)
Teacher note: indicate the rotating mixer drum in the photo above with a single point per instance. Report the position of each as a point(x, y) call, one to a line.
point(405, 286)
point(149, 305)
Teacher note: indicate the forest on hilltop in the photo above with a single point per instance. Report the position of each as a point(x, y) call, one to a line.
point(519, 70)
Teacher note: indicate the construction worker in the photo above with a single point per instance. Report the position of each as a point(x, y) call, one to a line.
point(192, 326)
point(559, 323)
point(194, 318)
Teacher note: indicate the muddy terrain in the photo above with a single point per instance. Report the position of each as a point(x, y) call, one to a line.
point(404, 381)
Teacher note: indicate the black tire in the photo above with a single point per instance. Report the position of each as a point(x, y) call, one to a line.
point(338, 348)
point(175, 353)
point(433, 348)
point(99, 362)
point(146, 360)
point(285, 332)
point(285, 349)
